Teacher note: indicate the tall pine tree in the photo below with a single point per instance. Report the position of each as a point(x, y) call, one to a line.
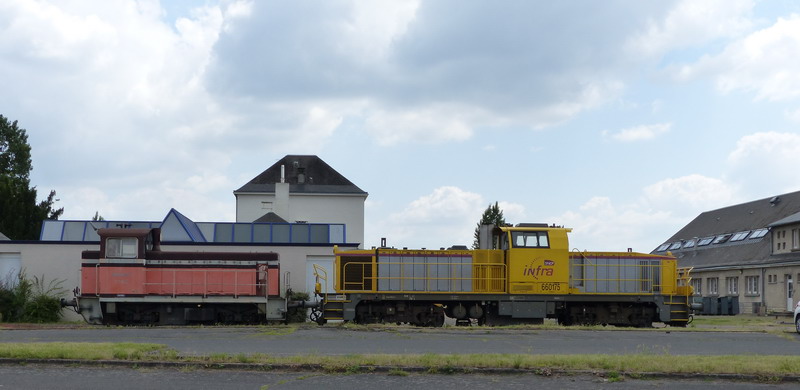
point(491, 216)
point(20, 215)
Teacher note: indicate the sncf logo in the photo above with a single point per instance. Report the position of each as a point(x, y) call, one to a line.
point(539, 268)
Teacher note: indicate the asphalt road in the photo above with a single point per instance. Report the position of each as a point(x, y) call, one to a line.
point(62, 377)
point(331, 340)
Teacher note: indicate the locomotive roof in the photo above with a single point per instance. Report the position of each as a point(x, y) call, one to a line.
point(123, 232)
point(524, 228)
point(306, 174)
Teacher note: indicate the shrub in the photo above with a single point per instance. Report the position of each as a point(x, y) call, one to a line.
point(30, 301)
point(296, 314)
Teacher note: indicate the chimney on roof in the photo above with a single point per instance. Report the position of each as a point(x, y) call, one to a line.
point(281, 202)
point(775, 200)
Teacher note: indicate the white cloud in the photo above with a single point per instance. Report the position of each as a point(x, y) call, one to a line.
point(420, 72)
point(776, 147)
point(693, 23)
point(693, 193)
point(421, 125)
point(446, 216)
point(643, 223)
point(766, 161)
point(443, 204)
point(513, 212)
point(793, 115)
point(640, 133)
point(599, 225)
point(763, 62)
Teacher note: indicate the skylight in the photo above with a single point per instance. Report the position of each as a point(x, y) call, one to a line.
point(740, 236)
point(721, 238)
point(689, 243)
point(759, 233)
point(675, 245)
point(705, 241)
point(663, 247)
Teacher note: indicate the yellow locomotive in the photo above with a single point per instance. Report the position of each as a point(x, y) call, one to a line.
point(520, 274)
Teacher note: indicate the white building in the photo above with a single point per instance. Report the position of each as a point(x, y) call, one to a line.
point(303, 189)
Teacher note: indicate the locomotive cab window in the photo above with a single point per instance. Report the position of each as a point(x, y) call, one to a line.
point(530, 240)
point(122, 247)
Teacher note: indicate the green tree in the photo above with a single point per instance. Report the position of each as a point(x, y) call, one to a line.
point(491, 216)
point(97, 217)
point(20, 215)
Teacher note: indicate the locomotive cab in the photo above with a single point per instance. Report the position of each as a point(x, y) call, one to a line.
point(537, 257)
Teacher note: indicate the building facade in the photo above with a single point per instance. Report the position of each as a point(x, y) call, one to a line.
point(303, 189)
point(747, 253)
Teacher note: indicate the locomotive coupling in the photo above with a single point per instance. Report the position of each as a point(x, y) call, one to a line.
point(302, 304)
point(72, 302)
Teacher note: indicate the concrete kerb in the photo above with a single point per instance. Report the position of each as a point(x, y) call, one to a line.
point(410, 369)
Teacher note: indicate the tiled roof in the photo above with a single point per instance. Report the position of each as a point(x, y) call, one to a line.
point(750, 216)
point(305, 174)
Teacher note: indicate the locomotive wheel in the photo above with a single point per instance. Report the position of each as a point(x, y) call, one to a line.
point(316, 316)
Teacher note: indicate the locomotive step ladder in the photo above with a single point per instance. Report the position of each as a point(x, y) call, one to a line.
point(332, 305)
point(678, 310)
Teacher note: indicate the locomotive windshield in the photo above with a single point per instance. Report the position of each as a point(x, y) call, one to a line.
point(121, 247)
point(530, 240)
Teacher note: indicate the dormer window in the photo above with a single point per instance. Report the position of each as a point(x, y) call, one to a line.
point(121, 247)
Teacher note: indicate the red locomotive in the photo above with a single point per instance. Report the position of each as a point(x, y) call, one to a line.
point(130, 280)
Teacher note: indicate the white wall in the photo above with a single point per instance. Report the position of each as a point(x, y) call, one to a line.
point(313, 208)
point(52, 262)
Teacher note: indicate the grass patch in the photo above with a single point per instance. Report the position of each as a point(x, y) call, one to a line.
point(617, 367)
point(738, 323)
point(83, 351)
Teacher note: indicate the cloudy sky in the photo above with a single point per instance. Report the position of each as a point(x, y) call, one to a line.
point(620, 119)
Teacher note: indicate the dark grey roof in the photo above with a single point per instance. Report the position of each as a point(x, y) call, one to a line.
point(794, 218)
point(305, 174)
point(270, 217)
point(748, 216)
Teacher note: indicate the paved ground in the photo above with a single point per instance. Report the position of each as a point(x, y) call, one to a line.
point(51, 377)
point(331, 340)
